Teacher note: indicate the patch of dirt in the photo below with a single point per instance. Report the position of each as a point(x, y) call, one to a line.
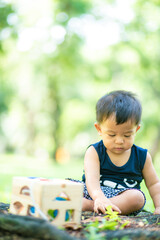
point(143, 226)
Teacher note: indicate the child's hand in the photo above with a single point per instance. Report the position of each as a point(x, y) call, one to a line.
point(157, 210)
point(100, 205)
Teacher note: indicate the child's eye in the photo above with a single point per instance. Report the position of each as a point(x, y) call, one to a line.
point(111, 135)
point(127, 136)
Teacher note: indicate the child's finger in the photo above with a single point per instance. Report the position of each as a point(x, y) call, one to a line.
point(99, 209)
point(115, 208)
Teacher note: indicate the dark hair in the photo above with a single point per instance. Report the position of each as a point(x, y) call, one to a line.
point(123, 104)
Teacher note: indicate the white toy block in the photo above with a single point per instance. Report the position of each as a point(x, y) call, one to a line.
point(57, 200)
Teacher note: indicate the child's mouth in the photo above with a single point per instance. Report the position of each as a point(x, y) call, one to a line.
point(118, 149)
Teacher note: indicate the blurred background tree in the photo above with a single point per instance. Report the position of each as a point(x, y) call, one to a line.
point(58, 57)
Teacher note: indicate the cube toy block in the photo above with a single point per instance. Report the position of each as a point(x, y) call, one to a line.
point(56, 200)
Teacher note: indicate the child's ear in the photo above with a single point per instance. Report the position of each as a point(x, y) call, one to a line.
point(138, 127)
point(98, 127)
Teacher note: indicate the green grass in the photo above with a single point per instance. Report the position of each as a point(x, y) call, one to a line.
point(149, 204)
point(13, 165)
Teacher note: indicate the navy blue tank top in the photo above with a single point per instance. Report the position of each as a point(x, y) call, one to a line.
point(127, 176)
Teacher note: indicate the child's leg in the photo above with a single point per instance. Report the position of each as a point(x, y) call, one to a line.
point(87, 205)
point(129, 201)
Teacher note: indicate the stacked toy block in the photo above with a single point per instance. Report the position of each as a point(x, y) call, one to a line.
point(56, 200)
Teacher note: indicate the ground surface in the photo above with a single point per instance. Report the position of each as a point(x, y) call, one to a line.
point(143, 226)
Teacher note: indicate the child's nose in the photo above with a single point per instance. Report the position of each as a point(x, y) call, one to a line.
point(119, 140)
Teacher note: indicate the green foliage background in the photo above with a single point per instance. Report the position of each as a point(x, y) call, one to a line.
point(58, 57)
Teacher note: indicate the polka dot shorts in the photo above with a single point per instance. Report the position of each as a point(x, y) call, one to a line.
point(109, 193)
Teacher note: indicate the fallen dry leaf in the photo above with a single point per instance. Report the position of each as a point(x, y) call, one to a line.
point(72, 226)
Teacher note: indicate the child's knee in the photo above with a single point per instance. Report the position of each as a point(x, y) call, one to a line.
point(136, 198)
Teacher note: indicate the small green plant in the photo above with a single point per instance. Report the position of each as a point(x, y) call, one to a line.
point(92, 231)
point(108, 225)
point(109, 222)
point(112, 214)
point(93, 234)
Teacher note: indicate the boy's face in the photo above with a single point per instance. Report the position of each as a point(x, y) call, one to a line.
point(117, 138)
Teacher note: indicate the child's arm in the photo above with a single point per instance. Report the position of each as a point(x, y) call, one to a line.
point(92, 175)
point(152, 182)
